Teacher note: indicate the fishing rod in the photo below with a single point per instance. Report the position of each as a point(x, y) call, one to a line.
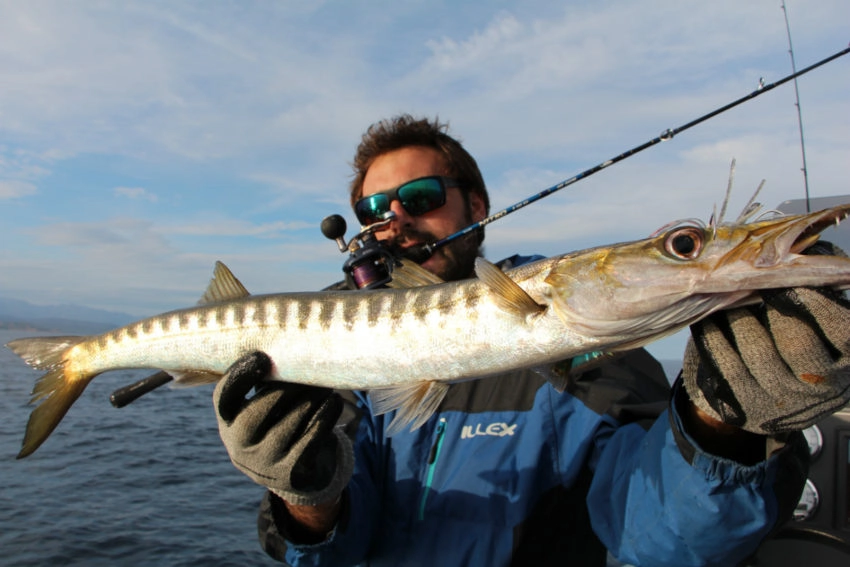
point(422, 252)
point(805, 168)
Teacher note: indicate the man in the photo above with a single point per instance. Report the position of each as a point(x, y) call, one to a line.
point(510, 472)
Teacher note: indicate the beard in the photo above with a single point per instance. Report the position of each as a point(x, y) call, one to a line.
point(455, 261)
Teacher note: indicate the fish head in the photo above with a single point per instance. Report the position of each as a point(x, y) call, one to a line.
point(634, 292)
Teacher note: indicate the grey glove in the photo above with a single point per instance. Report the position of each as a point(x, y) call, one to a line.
point(773, 368)
point(284, 436)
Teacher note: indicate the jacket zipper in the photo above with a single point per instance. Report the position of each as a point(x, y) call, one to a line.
point(432, 464)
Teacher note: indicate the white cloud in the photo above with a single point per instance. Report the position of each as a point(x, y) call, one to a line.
point(12, 189)
point(234, 227)
point(136, 193)
point(122, 236)
point(459, 57)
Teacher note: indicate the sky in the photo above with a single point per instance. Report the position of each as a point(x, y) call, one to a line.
point(142, 141)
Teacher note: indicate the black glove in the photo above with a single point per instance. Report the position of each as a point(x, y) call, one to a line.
point(777, 367)
point(284, 436)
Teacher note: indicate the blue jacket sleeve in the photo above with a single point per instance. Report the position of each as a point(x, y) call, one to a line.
point(349, 542)
point(658, 499)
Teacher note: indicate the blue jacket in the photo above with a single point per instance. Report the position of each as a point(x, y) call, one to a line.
point(511, 472)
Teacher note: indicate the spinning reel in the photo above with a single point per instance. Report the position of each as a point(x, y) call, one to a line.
point(369, 263)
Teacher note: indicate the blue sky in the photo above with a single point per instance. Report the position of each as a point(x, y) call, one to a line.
point(142, 141)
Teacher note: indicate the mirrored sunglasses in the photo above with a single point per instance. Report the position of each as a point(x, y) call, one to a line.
point(418, 197)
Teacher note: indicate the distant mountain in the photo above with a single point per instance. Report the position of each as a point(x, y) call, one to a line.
point(17, 314)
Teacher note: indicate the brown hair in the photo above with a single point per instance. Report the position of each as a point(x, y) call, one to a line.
point(403, 131)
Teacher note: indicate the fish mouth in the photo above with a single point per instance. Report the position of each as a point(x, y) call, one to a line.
point(811, 231)
point(779, 240)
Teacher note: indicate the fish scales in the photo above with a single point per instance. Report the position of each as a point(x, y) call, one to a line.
point(216, 327)
point(405, 345)
point(394, 320)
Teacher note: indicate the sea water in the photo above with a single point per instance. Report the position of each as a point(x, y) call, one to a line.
point(147, 484)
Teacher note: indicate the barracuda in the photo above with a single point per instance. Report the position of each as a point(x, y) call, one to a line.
point(420, 339)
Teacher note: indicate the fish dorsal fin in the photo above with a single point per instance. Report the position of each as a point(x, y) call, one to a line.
point(415, 403)
point(410, 274)
point(224, 286)
point(509, 296)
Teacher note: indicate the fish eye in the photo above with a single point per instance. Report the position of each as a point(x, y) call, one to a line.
point(684, 243)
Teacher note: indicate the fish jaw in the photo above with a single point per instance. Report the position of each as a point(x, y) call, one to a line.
point(654, 287)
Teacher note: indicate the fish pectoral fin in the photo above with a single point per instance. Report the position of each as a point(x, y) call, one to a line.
point(508, 294)
point(408, 273)
point(415, 403)
point(560, 373)
point(556, 374)
point(187, 378)
point(224, 286)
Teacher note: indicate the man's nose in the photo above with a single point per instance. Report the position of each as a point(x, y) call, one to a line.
point(402, 219)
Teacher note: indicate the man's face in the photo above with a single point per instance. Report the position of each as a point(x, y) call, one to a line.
point(451, 262)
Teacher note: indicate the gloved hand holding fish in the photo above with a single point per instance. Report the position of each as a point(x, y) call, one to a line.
point(284, 436)
point(609, 298)
point(775, 367)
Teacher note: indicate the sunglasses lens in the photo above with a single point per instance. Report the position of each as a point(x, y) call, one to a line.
point(422, 195)
point(369, 210)
point(417, 197)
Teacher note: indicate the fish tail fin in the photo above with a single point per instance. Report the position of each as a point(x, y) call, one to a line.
point(56, 391)
point(55, 404)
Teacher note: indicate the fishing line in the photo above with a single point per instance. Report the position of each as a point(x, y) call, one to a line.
point(422, 252)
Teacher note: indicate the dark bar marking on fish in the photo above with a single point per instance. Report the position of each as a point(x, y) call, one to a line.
point(131, 332)
point(184, 321)
point(272, 315)
point(453, 300)
point(249, 315)
point(326, 313)
point(470, 302)
point(376, 310)
point(295, 314)
point(350, 306)
point(211, 321)
point(146, 327)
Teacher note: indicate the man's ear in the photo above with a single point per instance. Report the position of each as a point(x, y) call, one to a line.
point(477, 208)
